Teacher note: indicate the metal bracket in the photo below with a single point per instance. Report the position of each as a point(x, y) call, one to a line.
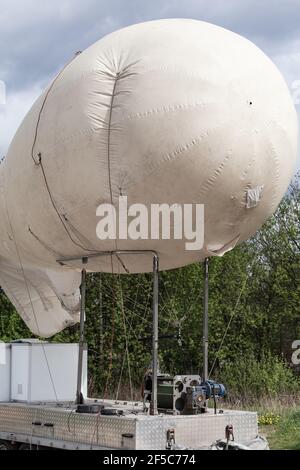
point(170, 439)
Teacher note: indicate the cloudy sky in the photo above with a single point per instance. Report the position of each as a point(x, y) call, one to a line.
point(38, 37)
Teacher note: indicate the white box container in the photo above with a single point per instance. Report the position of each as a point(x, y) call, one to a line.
point(5, 371)
point(45, 372)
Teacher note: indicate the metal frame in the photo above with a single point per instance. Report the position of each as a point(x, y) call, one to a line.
point(61, 427)
point(155, 302)
point(205, 320)
point(79, 397)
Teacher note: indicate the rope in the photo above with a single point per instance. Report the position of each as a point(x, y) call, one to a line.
point(112, 339)
point(120, 378)
point(116, 247)
point(44, 245)
point(141, 307)
point(126, 338)
point(30, 299)
point(101, 328)
point(42, 108)
point(230, 321)
point(40, 163)
point(79, 245)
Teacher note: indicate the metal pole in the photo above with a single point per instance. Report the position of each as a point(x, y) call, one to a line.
point(101, 324)
point(205, 321)
point(79, 396)
point(153, 404)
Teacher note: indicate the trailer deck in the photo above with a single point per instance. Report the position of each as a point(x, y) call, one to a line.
point(60, 426)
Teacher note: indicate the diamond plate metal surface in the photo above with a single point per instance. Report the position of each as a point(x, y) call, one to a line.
point(66, 425)
point(195, 431)
point(132, 431)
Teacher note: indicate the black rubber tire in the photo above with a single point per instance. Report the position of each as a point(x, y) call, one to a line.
point(27, 447)
point(6, 445)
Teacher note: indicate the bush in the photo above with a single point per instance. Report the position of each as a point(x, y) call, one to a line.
point(248, 379)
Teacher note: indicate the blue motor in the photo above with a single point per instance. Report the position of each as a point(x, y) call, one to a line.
point(214, 389)
point(203, 392)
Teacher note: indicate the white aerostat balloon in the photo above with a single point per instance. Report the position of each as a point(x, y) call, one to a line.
point(170, 111)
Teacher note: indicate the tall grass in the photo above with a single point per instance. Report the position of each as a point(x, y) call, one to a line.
point(267, 383)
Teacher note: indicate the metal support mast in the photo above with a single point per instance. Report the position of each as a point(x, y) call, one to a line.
point(153, 404)
point(205, 320)
point(79, 396)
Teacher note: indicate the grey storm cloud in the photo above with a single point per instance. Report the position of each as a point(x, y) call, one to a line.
point(38, 37)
